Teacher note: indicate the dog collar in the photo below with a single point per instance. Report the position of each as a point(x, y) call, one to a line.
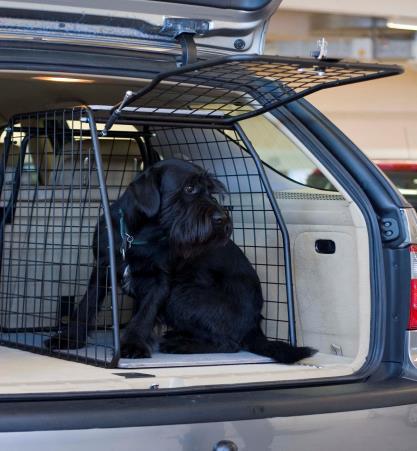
point(128, 240)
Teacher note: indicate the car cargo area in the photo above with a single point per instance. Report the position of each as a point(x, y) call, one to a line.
point(50, 214)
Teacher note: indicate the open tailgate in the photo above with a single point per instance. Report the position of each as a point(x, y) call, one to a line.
point(217, 26)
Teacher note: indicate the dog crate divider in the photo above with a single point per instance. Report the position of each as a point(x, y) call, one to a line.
point(60, 169)
point(284, 231)
point(51, 185)
point(110, 237)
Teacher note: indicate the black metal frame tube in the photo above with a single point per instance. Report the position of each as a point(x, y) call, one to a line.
point(11, 205)
point(143, 151)
point(110, 238)
point(5, 156)
point(285, 235)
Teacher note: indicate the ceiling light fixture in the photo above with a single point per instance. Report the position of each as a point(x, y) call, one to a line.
point(399, 23)
point(62, 79)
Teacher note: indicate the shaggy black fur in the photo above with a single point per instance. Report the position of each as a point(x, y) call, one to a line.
point(188, 274)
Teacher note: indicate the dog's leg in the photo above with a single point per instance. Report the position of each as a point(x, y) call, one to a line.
point(137, 337)
point(74, 335)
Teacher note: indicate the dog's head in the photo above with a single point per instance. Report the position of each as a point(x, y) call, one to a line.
point(182, 199)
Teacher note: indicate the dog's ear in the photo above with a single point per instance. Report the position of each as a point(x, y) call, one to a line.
point(219, 188)
point(146, 191)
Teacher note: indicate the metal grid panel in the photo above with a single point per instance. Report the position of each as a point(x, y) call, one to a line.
point(51, 203)
point(256, 232)
point(240, 86)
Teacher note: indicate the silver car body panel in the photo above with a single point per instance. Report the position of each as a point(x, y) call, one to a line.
point(410, 357)
point(135, 23)
point(409, 217)
point(385, 429)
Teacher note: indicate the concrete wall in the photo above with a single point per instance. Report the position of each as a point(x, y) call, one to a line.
point(380, 116)
point(375, 8)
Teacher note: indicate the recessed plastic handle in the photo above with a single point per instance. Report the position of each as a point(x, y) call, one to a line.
point(325, 247)
point(225, 445)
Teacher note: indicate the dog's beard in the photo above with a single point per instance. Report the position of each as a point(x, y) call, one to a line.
point(192, 232)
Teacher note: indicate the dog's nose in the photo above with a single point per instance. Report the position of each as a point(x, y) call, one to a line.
point(219, 218)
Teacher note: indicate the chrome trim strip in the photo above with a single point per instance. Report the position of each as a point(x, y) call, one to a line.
point(409, 217)
point(410, 360)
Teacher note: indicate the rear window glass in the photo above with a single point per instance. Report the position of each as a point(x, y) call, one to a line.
point(280, 153)
point(406, 179)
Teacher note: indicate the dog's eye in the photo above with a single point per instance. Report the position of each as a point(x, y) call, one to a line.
point(190, 189)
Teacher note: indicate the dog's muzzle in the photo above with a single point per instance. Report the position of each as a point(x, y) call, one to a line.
point(219, 218)
point(222, 223)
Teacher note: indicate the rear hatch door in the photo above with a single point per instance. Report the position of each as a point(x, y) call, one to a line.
point(217, 26)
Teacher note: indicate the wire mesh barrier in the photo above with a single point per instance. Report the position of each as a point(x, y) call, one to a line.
point(61, 169)
point(237, 87)
point(51, 203)
point(255, 227)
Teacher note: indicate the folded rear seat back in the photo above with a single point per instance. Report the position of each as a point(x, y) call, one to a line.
point(57, 209)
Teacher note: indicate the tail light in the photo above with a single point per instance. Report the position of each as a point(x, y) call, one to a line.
point(412, 322)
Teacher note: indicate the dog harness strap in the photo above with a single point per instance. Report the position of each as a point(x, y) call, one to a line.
point(123, 234)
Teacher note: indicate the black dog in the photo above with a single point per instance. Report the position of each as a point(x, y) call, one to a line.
point(177, 261)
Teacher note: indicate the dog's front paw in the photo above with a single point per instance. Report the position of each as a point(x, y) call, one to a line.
point(65, 341)
point(134, 350)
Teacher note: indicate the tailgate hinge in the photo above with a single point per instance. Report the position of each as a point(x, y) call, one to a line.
point(183, 31)
point(189, 49)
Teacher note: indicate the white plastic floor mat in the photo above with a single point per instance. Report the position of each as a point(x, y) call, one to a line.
point(102, 351)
